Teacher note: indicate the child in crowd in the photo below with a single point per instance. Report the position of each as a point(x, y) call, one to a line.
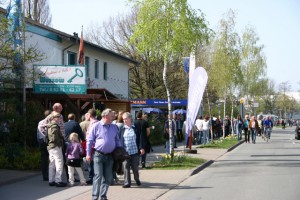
point(74, 150)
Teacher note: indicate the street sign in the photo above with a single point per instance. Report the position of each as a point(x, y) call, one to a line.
point(59, 79)
point(255, 105)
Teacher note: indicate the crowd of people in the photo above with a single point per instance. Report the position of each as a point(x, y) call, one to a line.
point(205, 129)
point(91, 144)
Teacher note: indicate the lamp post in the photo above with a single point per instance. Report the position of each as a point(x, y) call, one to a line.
point(242, 100)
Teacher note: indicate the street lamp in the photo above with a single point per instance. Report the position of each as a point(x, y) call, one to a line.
point(242, 101)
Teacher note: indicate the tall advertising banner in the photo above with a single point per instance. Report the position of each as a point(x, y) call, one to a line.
point(59, 79)
point(197, 86)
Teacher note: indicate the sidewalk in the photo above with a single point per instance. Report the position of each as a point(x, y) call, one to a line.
point(154, 182)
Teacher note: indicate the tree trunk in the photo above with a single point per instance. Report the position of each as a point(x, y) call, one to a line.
point(224, 116)
point(210, 119)
point(171, 146)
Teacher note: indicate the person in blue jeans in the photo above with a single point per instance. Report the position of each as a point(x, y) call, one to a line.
point(104, 138)
point(246, 128)
point(167, 133)
point(253, 127)
point(239, 124)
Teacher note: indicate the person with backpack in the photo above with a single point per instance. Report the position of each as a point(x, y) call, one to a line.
point(44, 159)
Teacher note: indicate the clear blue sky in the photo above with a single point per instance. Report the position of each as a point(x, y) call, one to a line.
point(277, 23)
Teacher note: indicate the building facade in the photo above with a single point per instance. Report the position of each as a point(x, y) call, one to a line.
point(107, 73)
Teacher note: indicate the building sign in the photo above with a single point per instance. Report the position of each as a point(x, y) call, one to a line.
point(55, 79)
point(153, 102)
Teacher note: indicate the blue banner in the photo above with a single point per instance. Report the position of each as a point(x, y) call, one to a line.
point(157, 102)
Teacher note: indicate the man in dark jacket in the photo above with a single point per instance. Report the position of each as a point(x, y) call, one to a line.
point(227, 125)
point(142, 133)
point(71, 126)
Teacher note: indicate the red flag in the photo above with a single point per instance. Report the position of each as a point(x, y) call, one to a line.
point(81, 51)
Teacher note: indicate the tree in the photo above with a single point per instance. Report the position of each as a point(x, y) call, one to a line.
point(39, 11)
point(225, 71)
point(253, 65)
point(167, 29)
point(146, 79)
point(13, 73)
point(267, 96)
point(284, 87)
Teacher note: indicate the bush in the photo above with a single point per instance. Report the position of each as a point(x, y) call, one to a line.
point(156, 134)
point(22, 129)
point(13, 156)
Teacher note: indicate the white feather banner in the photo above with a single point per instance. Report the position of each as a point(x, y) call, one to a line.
point(197, 84)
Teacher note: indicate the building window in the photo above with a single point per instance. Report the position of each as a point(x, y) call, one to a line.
point(87, 64)
point(97, 69)
point(72, 57)
point(105, 70)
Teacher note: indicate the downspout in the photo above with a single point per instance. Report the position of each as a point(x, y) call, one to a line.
point(128, 85)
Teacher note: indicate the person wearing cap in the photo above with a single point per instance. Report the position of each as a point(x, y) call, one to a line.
point(55, 145)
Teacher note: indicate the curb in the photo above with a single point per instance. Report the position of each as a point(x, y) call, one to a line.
point(209, 162)
point(236, 145)
point(201, 167)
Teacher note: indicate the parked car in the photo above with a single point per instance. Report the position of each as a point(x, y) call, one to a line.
point(297, 132)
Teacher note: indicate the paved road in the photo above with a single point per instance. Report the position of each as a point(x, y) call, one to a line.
point(261, 171)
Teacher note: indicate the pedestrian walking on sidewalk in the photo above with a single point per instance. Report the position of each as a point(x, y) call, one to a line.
point(239, 124)
point(246, 128)
point(205, 129)
point(142, 133)
point(167, 133)
point(104, 138)
point(128, 140)
point(253, 127)
point(93, 119)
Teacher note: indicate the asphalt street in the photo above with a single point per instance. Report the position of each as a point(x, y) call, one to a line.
point(261, 171)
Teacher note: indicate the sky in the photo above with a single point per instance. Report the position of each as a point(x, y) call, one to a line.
point(276, 22)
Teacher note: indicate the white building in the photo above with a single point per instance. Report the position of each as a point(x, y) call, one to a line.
point(107, 72)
